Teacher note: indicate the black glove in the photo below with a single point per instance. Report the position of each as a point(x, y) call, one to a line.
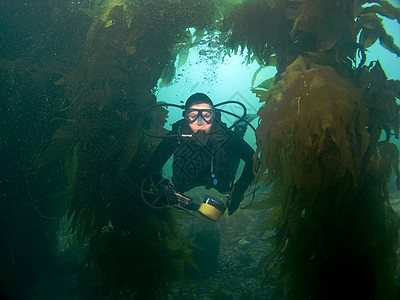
point(166, 191)
point(234, 201)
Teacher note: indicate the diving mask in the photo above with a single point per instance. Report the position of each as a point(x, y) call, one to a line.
point(206, 115)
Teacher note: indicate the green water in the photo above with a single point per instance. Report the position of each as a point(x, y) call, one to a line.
point(75, 78)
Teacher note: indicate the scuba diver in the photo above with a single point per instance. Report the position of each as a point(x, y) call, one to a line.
point(205, 153)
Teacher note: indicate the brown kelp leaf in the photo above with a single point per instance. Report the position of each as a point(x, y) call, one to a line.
point(102, 9)
point(370, 21)
point(387, 42)
point(385, 9)
point(368, 37)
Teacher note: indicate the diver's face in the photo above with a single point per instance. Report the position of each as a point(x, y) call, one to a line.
point(200, 123)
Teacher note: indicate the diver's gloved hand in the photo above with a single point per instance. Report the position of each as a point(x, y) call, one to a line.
point(166, 190)
point(234, 201)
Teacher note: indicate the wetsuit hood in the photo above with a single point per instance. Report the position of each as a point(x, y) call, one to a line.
point(198, 98)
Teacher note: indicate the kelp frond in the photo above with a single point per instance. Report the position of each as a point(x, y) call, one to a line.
point(319, 138)
point(319, 141)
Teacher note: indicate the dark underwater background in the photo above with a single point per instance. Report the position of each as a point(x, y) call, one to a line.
point(76, 77)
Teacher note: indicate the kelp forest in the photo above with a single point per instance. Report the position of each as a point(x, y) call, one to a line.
point(77, 75)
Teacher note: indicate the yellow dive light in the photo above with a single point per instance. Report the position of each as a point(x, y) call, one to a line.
point(212, 208)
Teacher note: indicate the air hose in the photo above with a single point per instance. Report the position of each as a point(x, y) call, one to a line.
point(240, 118)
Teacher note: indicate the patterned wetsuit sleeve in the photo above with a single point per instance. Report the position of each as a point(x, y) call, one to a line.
point(159, 157)
point(245, 152)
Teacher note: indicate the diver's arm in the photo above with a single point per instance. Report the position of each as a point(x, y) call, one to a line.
point(159, 157)
point(245, 152)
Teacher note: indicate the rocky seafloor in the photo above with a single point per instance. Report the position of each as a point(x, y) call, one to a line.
point(236, 274)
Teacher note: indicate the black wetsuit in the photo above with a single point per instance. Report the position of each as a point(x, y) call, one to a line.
point(211, 161)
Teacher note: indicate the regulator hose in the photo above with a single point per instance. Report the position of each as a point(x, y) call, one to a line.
point(240, 118)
